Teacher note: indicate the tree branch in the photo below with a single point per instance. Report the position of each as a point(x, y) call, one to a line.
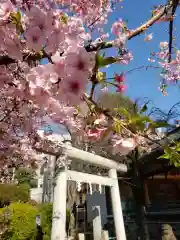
point(4, 60)
point(171, 23)
point(27, 56)
point(137, 31)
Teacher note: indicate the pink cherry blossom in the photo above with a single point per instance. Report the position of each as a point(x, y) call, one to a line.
point(63, 32)
point(148, 38)
point(121, 88)
point(163, 45)
point(124, 146)
point(121, 40)
point(126, 58)
point(39, 18)
point(78, 62)
point(13, 48)
point(105, 89)
point(162, 55)
point(73, 88)
point(59, 64)
point(102, 120)
point(56, 38)
point(95, 134)
point(117, 26)
point(119, 78)
point(4, 76)
point(6, 7)
point(42, 76)
point(34, 38)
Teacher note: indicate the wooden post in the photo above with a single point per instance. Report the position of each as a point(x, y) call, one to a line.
point(58, 231)
point(117, 208)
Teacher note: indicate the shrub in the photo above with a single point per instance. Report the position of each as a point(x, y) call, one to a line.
point(18, 221)
point(46, 219)
point(26, 176)
point(13, 193)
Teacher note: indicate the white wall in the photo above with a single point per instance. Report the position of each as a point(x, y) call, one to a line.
point(36, 194)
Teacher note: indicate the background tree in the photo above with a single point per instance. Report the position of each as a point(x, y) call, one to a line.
point(26, 176)
point(12, 193)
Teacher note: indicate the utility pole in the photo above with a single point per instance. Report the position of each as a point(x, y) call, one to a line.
point(48, 178)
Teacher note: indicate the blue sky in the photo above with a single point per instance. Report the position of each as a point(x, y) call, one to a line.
point(144, 84)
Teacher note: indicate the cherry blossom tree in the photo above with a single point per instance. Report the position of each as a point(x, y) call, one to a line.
point(63, 90)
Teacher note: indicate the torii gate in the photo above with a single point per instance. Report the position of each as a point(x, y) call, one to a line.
point(60, 190)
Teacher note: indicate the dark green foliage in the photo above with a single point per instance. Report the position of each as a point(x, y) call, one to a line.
point(114, 101)
point(13, 193)
point(26, 176)
point(46, 219)
point(17, 222)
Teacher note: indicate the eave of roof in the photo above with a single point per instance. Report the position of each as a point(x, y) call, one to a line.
point(150, 164)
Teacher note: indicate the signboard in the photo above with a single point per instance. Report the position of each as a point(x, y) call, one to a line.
point(94, 200)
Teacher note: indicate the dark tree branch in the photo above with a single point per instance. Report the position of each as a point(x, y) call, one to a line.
point(4, 60)
point(137, 31)
point(171, 24)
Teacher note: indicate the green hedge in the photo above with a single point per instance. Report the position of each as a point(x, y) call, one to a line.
point(46, 219)
point(13, 193)
point(18, 222)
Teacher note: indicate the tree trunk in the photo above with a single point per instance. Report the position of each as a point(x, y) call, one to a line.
point(138, 193)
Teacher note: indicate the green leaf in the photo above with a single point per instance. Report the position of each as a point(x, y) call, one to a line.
point(102, 62)
point(158, 124)
point(101, 76)
point(176, 164)
point(139, 122)
point(168, 150)
point(144, 108)
point(145, 119)
point(124, 112)
point(178, 147)
point(16, 18)
point(64, 18)
point(164, 156)
point(117, 126)
point(140, 119)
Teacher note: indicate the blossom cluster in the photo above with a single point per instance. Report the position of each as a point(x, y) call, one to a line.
point(31, 92)
point(171, 69)
point(58, 31)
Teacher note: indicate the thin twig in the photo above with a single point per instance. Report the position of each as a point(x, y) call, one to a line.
point(136, 69)
point(45, 55)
